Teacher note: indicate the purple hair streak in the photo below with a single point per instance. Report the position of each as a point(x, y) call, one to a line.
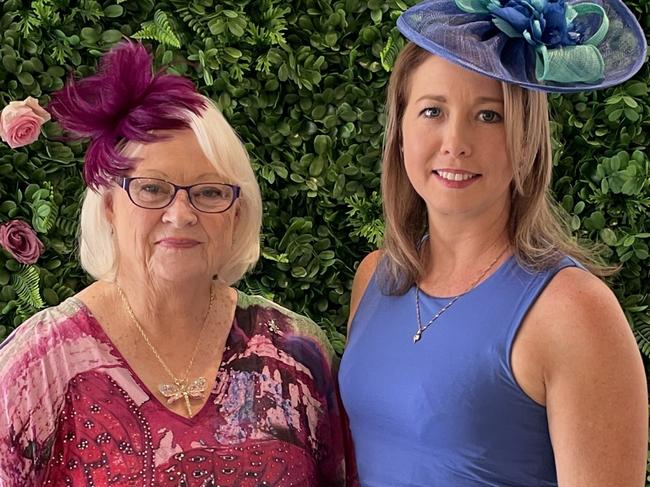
point(124, 101)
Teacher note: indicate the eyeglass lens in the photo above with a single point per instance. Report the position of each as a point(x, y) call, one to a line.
point(156, 193)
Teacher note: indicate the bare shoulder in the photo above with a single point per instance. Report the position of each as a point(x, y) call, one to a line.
point(594, 382)
point(579, 322)
point(576, 306)
point(574, 286)
point(575, 328)
point(361, 279)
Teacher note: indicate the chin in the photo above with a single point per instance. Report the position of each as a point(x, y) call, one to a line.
point(459, 208)
point(464, 206)
point(181, 272)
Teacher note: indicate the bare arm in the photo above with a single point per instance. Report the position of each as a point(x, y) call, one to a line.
point(361, 278)
point(595, 386)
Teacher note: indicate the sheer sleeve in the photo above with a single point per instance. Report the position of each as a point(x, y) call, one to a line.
point(37, 362)
point(30, 396)
point(296, 351)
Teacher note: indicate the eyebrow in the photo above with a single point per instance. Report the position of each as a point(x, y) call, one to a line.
point(162, 175)
point(443, 99)
point(207, 175)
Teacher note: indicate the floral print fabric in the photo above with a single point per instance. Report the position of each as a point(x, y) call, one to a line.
point(72, 412)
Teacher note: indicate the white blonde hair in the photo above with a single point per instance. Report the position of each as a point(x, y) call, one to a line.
point(98, 251)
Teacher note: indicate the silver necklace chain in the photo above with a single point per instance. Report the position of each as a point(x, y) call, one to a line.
point(421, 328)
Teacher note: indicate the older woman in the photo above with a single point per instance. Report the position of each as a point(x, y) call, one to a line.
point(483, 348)
point(160, 373)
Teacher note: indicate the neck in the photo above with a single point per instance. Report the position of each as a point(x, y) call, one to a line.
point(458, 249)
point(163, 306)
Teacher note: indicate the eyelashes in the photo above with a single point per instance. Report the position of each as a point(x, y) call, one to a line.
point(431, 112)
point(494, 117)
point(486, 116)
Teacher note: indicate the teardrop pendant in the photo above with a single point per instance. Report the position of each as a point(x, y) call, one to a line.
point(417, 336)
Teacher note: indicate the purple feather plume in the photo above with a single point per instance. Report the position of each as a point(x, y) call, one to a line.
point(124, 101)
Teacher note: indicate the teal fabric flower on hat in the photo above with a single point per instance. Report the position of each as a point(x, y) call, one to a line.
point(564, 53)
point(537, 21)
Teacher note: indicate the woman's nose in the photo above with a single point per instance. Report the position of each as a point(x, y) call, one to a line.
point(456, 138)
point(180, 211)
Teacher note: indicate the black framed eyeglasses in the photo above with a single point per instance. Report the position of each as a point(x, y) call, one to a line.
point(154, 194)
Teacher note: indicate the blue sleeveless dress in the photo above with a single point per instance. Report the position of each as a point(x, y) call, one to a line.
point(447, 411)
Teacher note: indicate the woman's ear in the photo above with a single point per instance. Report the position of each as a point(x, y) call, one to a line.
point(237, 209)
point(108, 206)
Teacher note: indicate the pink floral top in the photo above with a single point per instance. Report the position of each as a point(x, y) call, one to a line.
point(73, 413)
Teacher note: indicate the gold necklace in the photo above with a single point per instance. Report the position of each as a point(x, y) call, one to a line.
point(179, 388)
point(422, 329)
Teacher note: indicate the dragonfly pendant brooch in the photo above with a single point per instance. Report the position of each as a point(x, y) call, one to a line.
point(182, 389)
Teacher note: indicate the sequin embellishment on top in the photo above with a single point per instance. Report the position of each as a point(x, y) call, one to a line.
point(73, 413)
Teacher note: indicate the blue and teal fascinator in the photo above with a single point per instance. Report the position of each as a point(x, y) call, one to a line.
point(549, 45)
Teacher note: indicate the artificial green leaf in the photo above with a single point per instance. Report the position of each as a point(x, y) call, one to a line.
point(114, 11)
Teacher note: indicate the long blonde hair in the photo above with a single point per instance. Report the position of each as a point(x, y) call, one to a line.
point(537, 227)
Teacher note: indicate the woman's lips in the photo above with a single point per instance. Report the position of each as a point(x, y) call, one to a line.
point(178, 243)
point(455, 179)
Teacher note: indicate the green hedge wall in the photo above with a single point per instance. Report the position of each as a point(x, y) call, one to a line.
point(303, 83)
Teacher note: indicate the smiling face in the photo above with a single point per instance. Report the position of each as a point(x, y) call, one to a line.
point(178, 242)
point(454, 140)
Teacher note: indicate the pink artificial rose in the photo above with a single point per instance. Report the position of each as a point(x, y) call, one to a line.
point(18, 238)
point(20, 122)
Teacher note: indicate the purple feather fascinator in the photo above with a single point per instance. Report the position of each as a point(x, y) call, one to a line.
point(124, 101)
